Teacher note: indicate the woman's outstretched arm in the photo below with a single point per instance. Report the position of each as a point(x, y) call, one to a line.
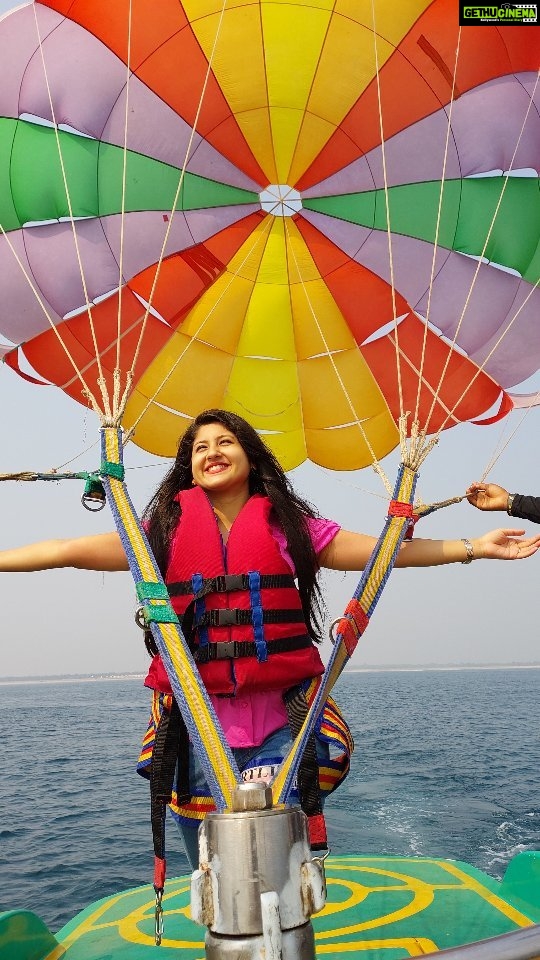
point(103, 551)
point(351, 551)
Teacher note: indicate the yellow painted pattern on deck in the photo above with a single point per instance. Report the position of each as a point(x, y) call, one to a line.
point(378, 907)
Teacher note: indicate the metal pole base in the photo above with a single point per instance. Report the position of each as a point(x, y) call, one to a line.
point(257, 884)
point(297, 944)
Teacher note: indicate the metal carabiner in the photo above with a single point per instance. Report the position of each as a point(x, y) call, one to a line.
point(158, 928)
point(321, 856)
point(94, 497)
point(334, 623)
point(140, 618)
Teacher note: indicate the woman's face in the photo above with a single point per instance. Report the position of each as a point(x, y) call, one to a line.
point(218, 461)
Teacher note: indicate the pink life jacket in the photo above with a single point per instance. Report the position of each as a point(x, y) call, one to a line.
point(249, 632)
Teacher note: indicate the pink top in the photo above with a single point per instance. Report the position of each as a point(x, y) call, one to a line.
point(248, 720)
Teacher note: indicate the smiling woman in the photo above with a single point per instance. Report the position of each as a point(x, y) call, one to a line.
point(221, 468)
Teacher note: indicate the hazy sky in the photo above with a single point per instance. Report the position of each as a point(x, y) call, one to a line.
point(77, 622)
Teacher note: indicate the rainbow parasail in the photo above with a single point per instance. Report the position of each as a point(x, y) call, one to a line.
point(316, 214)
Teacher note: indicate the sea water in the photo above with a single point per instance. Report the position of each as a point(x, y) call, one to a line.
point(447, 764)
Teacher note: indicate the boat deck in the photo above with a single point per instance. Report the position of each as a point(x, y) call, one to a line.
point(379, 908)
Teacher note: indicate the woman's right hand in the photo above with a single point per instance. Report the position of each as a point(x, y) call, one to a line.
point(507, 544)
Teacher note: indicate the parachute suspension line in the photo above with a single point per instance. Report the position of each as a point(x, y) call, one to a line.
point(376, 465)
point(85, 388)
point(339, 479)
point(535, 399)
point(117, 369)
point(473, 282)
point(488, 357)
point(264, 233)
point(170, 222)
point(414, 453)
point(387, 206)
point(437, 231)
point(355, 619)
point(105, 414)
point(416, 448)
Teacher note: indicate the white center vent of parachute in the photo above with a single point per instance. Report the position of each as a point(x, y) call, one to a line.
point(280, 200)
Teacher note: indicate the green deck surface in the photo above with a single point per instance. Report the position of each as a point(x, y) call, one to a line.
point(379, 908)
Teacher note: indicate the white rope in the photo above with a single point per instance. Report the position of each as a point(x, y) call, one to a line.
point(387, 206)
point(262, 235)
point(414, 449)
point(473, 282)
point(78, 373)
point(497, 454)
point(437, 229)
point(170, 222)
point(328, 352)
point(116, 390)
point(101, 379)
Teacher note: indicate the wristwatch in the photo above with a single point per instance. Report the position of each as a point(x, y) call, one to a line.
point(509, 503)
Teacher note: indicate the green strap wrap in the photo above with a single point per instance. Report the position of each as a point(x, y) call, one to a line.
point(159, 614)
point(110, 469)
point(147, 590)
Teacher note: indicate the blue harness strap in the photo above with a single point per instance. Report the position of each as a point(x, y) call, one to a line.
point(197, 583)
point(255, 600)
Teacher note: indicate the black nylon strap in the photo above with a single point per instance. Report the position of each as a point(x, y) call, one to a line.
point(170, 753)
point(308, 772)
point(228, 617)
point(230, 582)
point(247, 648)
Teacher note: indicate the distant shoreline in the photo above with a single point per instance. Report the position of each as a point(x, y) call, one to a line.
point(75, 678)
point(397, 668)
point(444, 667)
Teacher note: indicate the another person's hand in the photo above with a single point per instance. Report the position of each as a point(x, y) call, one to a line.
point(487, 496)
point(505, 545)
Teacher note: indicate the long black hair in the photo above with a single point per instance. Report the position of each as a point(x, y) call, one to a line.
point(266, 477)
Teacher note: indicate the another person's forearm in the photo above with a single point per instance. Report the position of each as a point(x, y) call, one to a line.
point(524, 507)
point(490, 496)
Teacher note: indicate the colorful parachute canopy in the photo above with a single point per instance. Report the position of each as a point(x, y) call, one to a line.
point(309, 144)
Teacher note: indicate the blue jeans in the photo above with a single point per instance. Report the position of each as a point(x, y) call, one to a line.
point(253, 763)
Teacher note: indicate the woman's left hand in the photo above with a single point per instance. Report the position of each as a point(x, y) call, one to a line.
point(505, 544)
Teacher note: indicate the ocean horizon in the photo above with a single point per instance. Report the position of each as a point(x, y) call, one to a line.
point(370, 668)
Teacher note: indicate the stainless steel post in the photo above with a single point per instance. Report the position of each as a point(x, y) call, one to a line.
point(257, 884)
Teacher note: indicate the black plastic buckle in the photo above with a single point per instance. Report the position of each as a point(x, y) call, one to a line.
point(227, 582)
point(235, 581)
point(226, 617)
point(224, 649)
